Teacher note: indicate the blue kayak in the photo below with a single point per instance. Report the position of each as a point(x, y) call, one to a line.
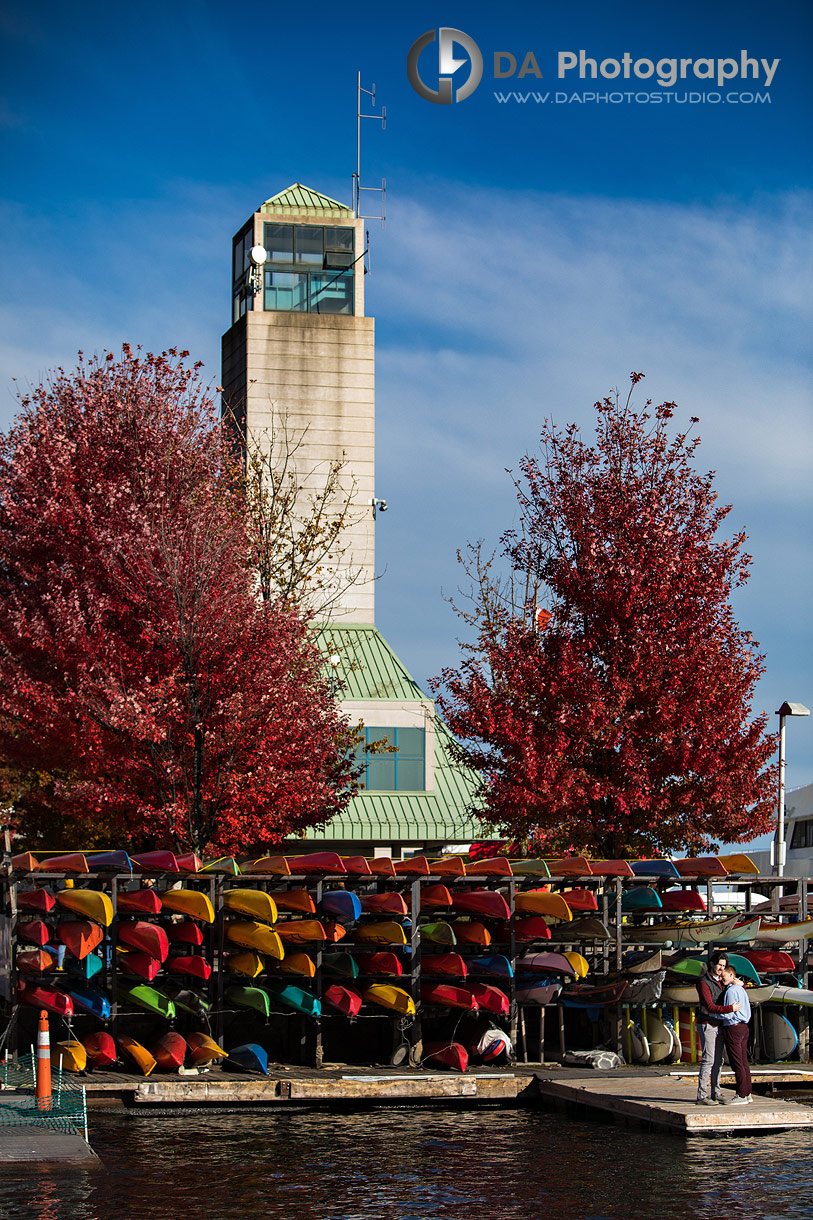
point(109, 862)
point(249, 1057)
point(492, 963)
point(341, 904)
point(294, 997)
point(90, 999)
point(86, 968)
point(654, 868)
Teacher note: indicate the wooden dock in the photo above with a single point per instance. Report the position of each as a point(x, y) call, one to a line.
point(666, 1102)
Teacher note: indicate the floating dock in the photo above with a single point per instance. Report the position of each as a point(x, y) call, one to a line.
point(666, 1102)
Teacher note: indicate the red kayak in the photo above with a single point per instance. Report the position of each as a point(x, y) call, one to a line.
point(141, 965)
point(101, 1049)
point(569, 866)
point(145, 937)
point(25, 862)
point(446, 1054)
point(190, 863)
point(379, 963)
point(156, 862)
point(80, 936)
point(449, 964)
point(194, 964)
point(384, 904)
point(343, 999)
point(324, 862)
point(580, 900)
point(701, 866)
point(531, 927)
point(33, 932)
point(35, 900)
point(447, 996)
point(770, 961)
point(35, 961)
point(358, 866)
point(293, 900)
point(682, 900)
point(472, 933)
point(447, 866)
point(546, 963)
point(381, 866)
point(45, 997)
point(489, 998)
point(433, 896)
point(481, 902)
point(611, 868)
point(169, 1051)
point(139, 902)
point(185, 933)
point(489, 866)
point(75, 862)
point(414, 866)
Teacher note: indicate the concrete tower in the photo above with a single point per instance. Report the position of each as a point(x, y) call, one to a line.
point(300, 357)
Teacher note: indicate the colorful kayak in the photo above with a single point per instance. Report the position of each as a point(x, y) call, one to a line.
point(301, 931)
point(531, 927)
point(471, 932)
point(139, 902)
point(414, 866)
point(546, 963)
point(580, 900)
point(380, 934)
point(447, 866)
point(139, 1054)
point(781, 933)
point(184, 933)
point(24, 862)
point(145, 937)
point(85, 969)
point(227, 865)
point(586, 995)
point(446, 1054)
point(791, 995)
point(683, 932)
point(438, 933)
point(490, 999)
point(192, 903)
point(88, 903)
point(489, 866)
point(653, 868)
point(70, 1056)
point(384, 904)
point(683, 900)
point(110, 862)
point(588, 927)
point(444, 995)
point(529, 868)
point(395, 999)
point(256, 936)
point(39, 996)
point(341, 904)
point(770, 961)
point(90, 1000)
point(359, 866)
point(779, 1038)
point(79, 936)
point(298, 901)
point(738, 864)
point(254, 903)
point(297, 963)
point(641, 898)
point(193, 964)
point(40, 900)
point(434, 896)
point(74, 862)
point(247, 964)
point(149, 999)
point(169, 1051)
point(36, 961)
point(380, 963)
point(186, 1000)
point(746, 930)
point(33, 932)
point(450, 965)
point(538, 994)
point(580, 964)
point(486, 903)
point(295, 997)
point(381, 866)
point(323, 863)
point(269, 866)
point(342, 999)
point(569, 866)
point(541, 902)
point(611, 868)
point(100, 1049)
point(141, 965)
point(249, 1057)
point(202, 1049)
point(249, 997)
point(189, 863)
point(341, 964)
point(493, 964)
point(701, 866)
point(156, 862)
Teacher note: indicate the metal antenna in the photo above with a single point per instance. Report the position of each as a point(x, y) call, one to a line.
point(357, 187)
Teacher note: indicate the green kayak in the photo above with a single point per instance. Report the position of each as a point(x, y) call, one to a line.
point(249, 997)
point(149, 999)
point(438, 933)
point(296, 998)
point(341, 964)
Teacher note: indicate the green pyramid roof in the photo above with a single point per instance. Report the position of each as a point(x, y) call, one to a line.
point(299, 198)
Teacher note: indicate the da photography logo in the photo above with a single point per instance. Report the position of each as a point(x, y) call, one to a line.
point(447, 66)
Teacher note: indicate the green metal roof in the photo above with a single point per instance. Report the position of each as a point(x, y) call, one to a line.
point(370, 670)
point(299, 198)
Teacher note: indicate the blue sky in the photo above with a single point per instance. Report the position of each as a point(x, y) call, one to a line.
point(535, 251)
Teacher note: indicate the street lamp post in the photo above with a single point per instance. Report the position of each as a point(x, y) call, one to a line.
point(779, 847)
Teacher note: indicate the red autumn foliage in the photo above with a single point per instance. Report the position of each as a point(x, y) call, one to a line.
point(620, 722)
point(145, 692)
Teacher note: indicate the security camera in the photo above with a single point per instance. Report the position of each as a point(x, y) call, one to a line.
point(378, 506)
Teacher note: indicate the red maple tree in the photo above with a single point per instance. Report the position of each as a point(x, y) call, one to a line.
point(616, 719)
point(145, 690)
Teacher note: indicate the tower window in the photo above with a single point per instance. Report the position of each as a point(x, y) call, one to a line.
point(403, 770)
point(310, 268)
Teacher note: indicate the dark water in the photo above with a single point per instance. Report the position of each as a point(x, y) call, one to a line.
point(412, 1165)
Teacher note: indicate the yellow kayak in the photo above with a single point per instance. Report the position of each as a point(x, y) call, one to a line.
point(393, 998)
point(580, 964)
point(138, 1053)
point(256, 936)
point(529, 868)
point(541, 902)
point(380, 934)
point(70, 1056)
point(203, 1049)
point(298, 963)
point(248, 964)
point(254, 903)
point(90, 903)
point(191, 903)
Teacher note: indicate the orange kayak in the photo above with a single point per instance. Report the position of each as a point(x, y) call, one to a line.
point(139, 1054)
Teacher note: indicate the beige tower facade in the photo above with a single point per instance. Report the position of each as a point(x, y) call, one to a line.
point(299, 364)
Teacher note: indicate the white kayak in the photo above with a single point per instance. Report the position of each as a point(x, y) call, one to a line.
point(780, 933)
point(687, 997)
point(682, 932)
point(793, 995)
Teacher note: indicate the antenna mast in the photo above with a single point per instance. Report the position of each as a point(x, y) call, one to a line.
point(357, 187)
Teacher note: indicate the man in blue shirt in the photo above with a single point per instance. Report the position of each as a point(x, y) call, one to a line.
point(735, 1032)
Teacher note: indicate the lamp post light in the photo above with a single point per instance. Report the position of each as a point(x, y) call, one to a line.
point(779, 847)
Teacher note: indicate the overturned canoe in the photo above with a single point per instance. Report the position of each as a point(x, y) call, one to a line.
point(538, 994)
point(79, 936)
point(481, 902)
point(203, 1049)
point(395, 999)
point(139, 902)
point(249, 1057)
point(530, 928)
point(449, 965)
point(490, 999)
point(489, 866)
point(100, 1049)
point(340, 964)
point(585, 995)
point(297, 963)
point(254, 903)
point(169, 1051)
point(301, 931)
point(145, 937)
point(74, 862)
point(40, 900)
point(298, 901)
point(683, 900)
point(33, 932)
point(191, 903)
point(384, 904)
point(70, 1056)
point(358, 866)
point(446, 1054)
point(149, 999)
point(184, 933)
point(249, 997)
point(580, 899)
point(380, 963)
point(189, 863)
point(156, 862)
point(36, 961)
point(91, 904)
point(341, 904)
point(770, 961)
point(438, 933)
point(546, 963)
point(380, 934)
point(343, 999)
point(256, 936)
point(542, 902)
point(294, 997)
point(493, 964)
point(139, 1054)
point(193, 964)
point(434, 896)
point(25, 862)
point(324, 863)
point(471, 932)
point(227, 865)
point(248, 964)
point(110, 862)
point(39, 996)
point(444, 995)
point(89, 999)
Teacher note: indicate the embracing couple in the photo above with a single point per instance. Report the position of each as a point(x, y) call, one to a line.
point(722, 1020)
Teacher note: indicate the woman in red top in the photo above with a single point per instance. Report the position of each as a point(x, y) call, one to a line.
point(710, 1029)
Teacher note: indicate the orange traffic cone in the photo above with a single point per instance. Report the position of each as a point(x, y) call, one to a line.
point(43, 1064)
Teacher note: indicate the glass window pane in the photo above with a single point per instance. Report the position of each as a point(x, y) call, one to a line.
point(309, 244)
point(381, 773)
point(339, 239)
point(332, 293)
point(410, 743)
point(286, 291)
point(279, 243)
point(410, 775)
